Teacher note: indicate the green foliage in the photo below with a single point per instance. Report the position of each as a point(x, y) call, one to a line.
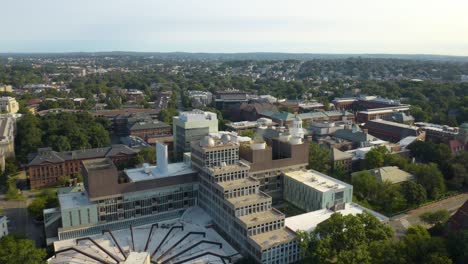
point(375, 157)
point(319, 158)
point(345, 238)
point(166, 115)
point(437, 217)
point(457, 246)
point(14, 250)
point(414, 193)
point(248, 133)
point(63, 131)
point(148, 155)
point(46, 199)
point(365, 185)
point(430, 177)
point(12, 192)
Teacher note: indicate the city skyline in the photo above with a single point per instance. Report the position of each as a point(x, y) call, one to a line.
point(357, 27)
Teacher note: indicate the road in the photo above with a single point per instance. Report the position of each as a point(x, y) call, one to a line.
point(20, 222)
point(401, 222)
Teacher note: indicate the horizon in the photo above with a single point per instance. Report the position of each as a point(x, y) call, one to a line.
point(297, 27)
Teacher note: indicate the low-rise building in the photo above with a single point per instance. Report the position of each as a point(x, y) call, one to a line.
point(390, 174)
point(46, 166)
point(150, 129)
point(311, 190)
point(241, 126)
point(200, 98)
point(341, 160)
point(8, 105)
point(391, 131)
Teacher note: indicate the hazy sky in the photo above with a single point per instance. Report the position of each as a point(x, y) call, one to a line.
point(325, 26)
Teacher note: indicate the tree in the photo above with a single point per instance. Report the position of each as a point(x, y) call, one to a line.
point(375, 157)
point(457, 246)
point(421, 248)
point(365, 185)
point(319, 158)
point(148, 155)
point(414, 193)
point(345, 238)
point(430, 177)
point(15, 250)
point(434, 218)
point(46, 199)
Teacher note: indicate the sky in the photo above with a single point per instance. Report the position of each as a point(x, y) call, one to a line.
point(294, 26)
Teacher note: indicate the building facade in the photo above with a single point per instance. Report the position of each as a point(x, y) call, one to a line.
point(190, 126)
point(241, 212)
point(7, 138)
point(47, 165)
point(9, 105)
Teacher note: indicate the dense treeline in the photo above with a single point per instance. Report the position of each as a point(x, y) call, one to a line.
point(61, 132)
point(364, 239)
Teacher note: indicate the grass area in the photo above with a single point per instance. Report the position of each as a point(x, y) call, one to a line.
point(12, 192)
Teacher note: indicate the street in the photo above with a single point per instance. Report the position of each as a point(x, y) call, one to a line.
point(401, 222)
point(20, 222)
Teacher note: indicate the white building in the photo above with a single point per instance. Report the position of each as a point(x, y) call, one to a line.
point(3, 226)
point(9, 105)
point(7, 139)
point(190, 126)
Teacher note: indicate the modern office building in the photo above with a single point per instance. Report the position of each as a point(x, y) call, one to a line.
point(311, 190)
point(229, 176)
point(113, 200)
point(8, 105)
point(243, 214)
point(190, 126)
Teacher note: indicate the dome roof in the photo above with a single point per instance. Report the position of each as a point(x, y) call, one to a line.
point(207, 141)
point(225, 138)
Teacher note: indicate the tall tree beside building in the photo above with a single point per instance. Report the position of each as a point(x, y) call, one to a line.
point(319, 158)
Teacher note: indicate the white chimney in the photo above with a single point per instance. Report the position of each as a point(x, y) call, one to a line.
point(161, 157)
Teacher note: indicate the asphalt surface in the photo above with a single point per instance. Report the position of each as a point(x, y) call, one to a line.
point(20, 222)
point(401, 222)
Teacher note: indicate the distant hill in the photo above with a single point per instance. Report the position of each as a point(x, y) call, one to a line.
point(242, 56)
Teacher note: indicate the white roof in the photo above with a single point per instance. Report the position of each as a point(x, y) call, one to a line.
point(309, 221)
point(316, 180)
point(173, 169)
point(73, 200)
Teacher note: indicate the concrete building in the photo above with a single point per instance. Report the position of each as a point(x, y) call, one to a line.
point(241, 126)
point(287, 118)
point(228, 98)
point(3, 226)
point(229, 176)
point(8, 105)
point(385, 113)
point(238, 208)
point(7, 139)
point(46, 166)
point(311, 190)
point(200, 98)
point(111, 200)
point(190, 126)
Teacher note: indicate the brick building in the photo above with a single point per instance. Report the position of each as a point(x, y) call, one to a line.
point(47, 165)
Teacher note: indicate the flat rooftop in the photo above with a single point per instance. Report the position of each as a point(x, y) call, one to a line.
point(261, 217)
point(309, 221)
point(234, 184)
point(317, 180)
point(193, 220)
point(73, 200)
point(153, 172)
point(249, 199)
point(98, 164)
point(232, 167)
point(270, 239)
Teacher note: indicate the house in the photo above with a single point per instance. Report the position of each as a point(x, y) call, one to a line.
point(390, 174)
